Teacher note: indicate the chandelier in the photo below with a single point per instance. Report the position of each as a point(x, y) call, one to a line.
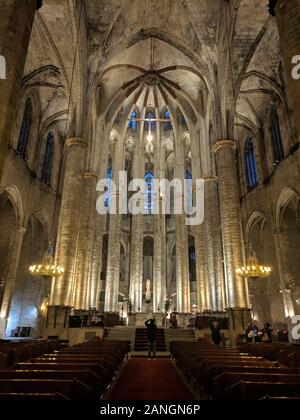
point(253, 268)
point(47, 268)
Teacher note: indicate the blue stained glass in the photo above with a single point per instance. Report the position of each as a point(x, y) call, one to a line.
point(25, 129)
point(251, 166)
point(149, 192)
point(167, 124)
point(109, 175)
point(132, 123)
point(189, 191)
point(48, 159)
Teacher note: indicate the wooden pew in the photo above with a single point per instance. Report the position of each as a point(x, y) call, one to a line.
point(88, 377)
point(215, 370)
point(73, 389)
point(256, 390)
point(99, 370)
point(226, 379)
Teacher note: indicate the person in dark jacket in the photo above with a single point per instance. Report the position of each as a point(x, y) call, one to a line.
point(215, 333)
point(151, 335)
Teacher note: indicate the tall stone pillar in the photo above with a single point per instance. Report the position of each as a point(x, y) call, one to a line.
point(213, 244)
point(14, 257)
point(231, 224)
point(114, 236)
point(136, 251)
point(85, 241)
point(281, 242)
point(62, 287)
point(159, 260)
point(15, 30)
point(288, 17)
point(202, 291)
point(182, 259)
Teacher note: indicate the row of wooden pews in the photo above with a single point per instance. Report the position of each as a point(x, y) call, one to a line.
point(81, 372)
point(15, 351)
point(287, 354)
point(228, 374)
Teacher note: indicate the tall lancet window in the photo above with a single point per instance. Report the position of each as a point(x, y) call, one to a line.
point(251, 167)
point(48, 159)
point(25, 129)
point(189, 189)
point(192, 263)
point(150, 114)
point(132, 123)
point(167, 124)
point(109, 175)
point(276, 136)
point(149, 192)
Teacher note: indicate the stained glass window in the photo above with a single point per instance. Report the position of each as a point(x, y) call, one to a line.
point(149, 191)
point(251, 166)
point(276, 136)
point(25, 129)
point(150, 114)
point(109, 175)
point(48, 159)
point(189, 190)
point(192, 263)
point(132, 123)
point(167, 124)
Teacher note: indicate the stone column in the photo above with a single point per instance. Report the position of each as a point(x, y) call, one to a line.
point(159, 260)
point(182, 259)
point(100, 223)
point(288, 17)
point(231, 224)
point(198, 231)
point(62, 287)
point(281, 239)
point(15, 30)
point(114, 236)
point(14, 257)
point(85, 241)
point(136, 250)
point(213, 244)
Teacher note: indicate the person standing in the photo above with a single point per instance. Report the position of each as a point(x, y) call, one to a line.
point(215, 333)
point(151, 335)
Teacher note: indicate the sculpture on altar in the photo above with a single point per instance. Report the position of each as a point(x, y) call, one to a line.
point(148, 290)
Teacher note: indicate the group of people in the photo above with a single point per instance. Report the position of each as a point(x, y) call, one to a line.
point(256, 335)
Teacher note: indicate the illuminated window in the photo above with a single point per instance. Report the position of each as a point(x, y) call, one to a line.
point(150, 114)
point(251, 167)
point(189, 190)
point(109, 175)
point(167, 124)
point(132, 123)
point(149, 192)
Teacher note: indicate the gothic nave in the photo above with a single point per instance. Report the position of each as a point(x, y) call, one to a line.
point(201, 93)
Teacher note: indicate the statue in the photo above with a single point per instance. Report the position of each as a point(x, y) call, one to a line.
point(148, 290)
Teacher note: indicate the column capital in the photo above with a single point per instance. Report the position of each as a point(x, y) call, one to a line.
point(90, 175)
point(221, 144)
point(76, 141)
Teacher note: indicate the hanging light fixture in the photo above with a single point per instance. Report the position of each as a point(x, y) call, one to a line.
point(47, 268)
point(253, 268)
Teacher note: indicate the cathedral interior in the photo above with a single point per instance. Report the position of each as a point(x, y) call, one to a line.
point(180, 90)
